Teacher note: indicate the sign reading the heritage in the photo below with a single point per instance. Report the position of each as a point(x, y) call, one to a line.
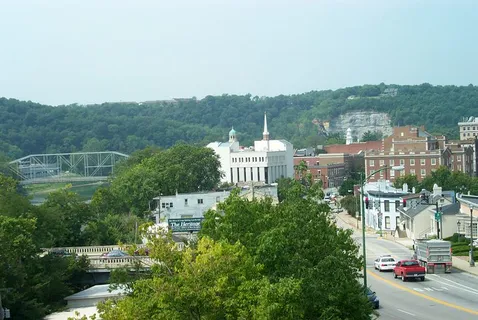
point(185, 225)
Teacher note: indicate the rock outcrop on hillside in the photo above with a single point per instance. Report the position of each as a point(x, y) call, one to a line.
point(361, 122)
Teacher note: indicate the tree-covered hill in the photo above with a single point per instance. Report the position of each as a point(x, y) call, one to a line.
point(27, 127)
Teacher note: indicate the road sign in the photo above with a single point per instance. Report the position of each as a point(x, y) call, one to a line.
point(438, 215)
point(185, 225)
point(376, 203)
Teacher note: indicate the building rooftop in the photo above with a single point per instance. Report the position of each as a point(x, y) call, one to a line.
point(451, 209)
point(98, 291)
point(387, 194)
point(468, 120)
point(468, 199)
point(413, 211)
point(354, 147)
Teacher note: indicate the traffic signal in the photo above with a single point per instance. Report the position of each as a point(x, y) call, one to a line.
point(366, 203)
point(404, 203)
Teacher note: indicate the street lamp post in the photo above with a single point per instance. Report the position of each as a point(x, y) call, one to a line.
point(437, 219)
point(472, 261)
point(362, 214)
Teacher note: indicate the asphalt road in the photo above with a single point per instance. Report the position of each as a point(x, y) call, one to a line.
point(440, 296)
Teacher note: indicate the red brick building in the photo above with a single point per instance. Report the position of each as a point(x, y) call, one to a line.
point(462, 157)
point(331, 169)
point(419, 163)
point(419, 153)
point(354, 148)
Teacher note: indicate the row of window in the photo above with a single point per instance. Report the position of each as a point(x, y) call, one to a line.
point(423, 172)
point(317, 163)
point(412, 162)
point(387, 222)
point(465, 128)
point(259, 159)
point(170, 204)
point(468, 134)
point(248, 159)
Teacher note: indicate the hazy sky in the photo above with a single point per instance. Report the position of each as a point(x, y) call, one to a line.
point(91, 51)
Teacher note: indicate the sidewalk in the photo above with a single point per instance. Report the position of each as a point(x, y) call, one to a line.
point(461, 263)
point(352, 222)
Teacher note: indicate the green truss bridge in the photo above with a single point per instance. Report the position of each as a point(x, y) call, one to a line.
point(66, 167)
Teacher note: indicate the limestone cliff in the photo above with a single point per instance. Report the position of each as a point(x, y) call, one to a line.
point(361, 122)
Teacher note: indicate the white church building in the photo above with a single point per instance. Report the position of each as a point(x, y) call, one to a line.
point(267, 161)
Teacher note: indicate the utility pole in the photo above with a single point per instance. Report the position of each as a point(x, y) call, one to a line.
point(472, 260)
point(362, 214)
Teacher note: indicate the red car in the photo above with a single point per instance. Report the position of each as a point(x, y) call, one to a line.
point(409, 269)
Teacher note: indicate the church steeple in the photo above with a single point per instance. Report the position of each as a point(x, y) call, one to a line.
point(232, 135)
point(265, 134)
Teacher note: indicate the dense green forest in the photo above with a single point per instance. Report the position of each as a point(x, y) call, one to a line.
point(27, 127)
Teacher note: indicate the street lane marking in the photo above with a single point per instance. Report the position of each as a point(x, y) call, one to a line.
point(409, 313)
point(431, 289)
point(457, 287)
point(448, 304)
point(469, 289)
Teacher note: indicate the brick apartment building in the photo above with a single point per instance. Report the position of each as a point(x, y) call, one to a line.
point(419, 153)
point(331, 168)
point(468, 128)
point(463, 156)
point(468, 133)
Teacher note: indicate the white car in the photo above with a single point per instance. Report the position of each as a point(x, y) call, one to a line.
point(385, 262)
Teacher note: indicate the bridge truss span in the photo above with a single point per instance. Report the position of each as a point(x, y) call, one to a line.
point(66, 167)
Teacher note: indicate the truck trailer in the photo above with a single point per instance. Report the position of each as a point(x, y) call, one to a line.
point(434, 255)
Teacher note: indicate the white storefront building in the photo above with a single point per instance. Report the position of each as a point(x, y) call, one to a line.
point(194, 205)
point(384, 201)
point(187, 205)
point(267, 161)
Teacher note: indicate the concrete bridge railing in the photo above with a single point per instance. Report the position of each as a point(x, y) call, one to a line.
point(113, 263)
point(91, 250)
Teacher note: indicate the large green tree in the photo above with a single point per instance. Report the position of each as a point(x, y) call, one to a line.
point(457, 181)
point(182, 168)
point(216, 280)
point(351, 204)
point(13, 202)
point(285, 240)
point(347, 187)
point(36, 285)
point(64, 217)
point(410, 179)
point(253, 260)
